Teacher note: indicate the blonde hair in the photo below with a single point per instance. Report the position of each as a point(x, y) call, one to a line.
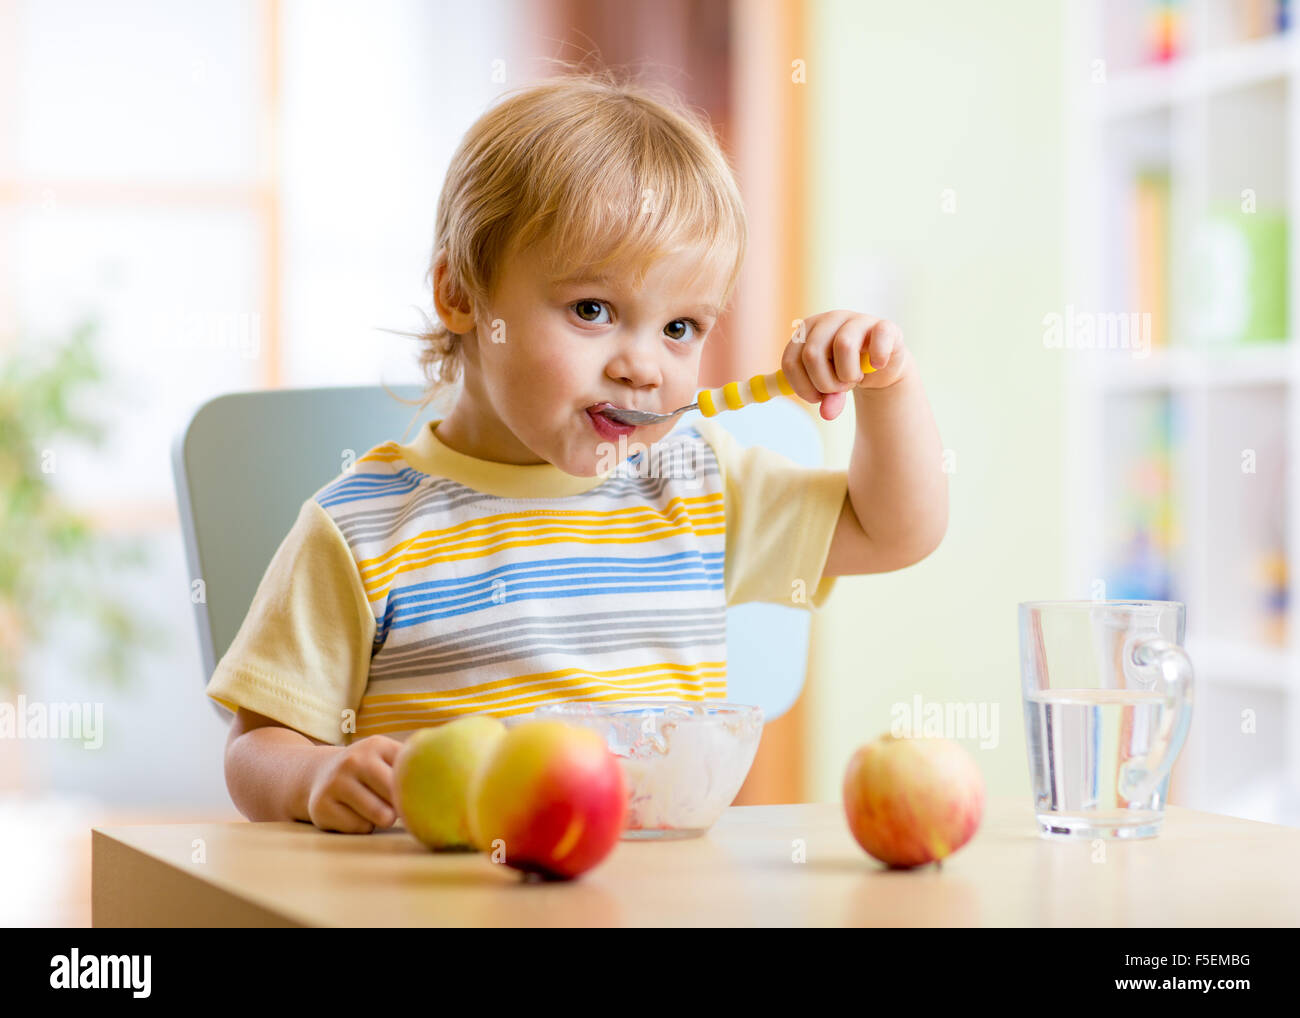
point(605, 170)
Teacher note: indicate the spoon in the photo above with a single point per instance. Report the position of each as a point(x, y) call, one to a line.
point(731, 396)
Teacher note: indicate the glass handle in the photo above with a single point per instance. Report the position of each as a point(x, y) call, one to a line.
point(1164, 667)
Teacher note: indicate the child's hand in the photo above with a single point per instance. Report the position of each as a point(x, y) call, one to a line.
point(827, 363)
point(352, 791)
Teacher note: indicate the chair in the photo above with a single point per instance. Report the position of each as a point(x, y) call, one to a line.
point(244, 463)
point(767, 644)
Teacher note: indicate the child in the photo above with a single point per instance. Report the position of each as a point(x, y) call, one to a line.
point(514, 553)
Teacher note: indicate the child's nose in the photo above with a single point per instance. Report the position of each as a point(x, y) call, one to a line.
point(637, 365)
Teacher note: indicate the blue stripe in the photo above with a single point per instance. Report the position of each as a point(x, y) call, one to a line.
point(375, 480)
point(467, 583)
point(423, 593)
point(367, 486)
point(525, 596)
point(407, 605)
point(573, 560)
point(404, 603)
point(555, 568)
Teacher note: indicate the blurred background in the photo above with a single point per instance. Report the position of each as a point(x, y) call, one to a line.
point(1078, 212)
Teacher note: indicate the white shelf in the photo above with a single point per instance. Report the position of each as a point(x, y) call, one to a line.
point(1162, 86)
point(1266, 800)
point(1246, 364)
point(1238, 663)
point(1209, 117)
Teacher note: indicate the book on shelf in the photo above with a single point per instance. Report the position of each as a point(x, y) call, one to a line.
point(1237, 290)
point(1157, 32)
point(1151, 250)
point(1142, 530)
point(1164, 30)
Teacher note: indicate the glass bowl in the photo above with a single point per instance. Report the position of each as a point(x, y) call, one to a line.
point(684, 760)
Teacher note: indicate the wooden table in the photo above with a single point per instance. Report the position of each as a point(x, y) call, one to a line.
point(1203, 870)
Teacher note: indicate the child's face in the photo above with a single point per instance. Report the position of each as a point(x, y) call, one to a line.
point(547, 350)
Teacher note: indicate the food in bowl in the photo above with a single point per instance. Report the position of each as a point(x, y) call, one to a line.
point(684, 760)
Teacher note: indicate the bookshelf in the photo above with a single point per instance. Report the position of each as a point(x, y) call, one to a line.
point(1183, 145)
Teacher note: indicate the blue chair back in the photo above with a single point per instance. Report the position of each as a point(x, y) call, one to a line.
point(767, 644)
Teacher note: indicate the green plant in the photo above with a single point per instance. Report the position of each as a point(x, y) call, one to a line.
point(54, 567)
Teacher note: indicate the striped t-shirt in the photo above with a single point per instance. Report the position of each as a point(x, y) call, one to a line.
point(425, 585)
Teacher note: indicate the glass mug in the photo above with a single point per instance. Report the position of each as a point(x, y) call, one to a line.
point(1108, 700)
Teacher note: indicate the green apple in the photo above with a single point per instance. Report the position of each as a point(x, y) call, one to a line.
point(432, 778)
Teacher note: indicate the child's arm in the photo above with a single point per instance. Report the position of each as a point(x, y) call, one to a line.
point(896, 509)
point(274, 772)
point(897, 483)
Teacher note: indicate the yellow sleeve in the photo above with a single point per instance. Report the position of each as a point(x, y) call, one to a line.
point(302, 653)
point(780, 520)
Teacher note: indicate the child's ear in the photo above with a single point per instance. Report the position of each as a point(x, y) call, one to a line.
point(454, 308)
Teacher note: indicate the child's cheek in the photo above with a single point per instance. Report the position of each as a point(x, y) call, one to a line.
point(551, 378)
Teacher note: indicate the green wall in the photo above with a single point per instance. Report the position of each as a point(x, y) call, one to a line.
point(907, 100)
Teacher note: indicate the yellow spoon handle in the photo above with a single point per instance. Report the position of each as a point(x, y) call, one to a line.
point(758, 389)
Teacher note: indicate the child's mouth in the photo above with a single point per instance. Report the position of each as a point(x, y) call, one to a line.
point(606, 426)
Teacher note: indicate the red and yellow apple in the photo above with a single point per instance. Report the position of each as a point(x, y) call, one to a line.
point(432, 774)
point(912, 801)
point(550, 800)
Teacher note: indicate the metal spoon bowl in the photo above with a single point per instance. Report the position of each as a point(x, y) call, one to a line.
point(644, 416)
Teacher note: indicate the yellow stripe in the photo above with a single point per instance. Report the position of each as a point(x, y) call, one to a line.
point(539, 680)
point(430, 719)
point(783, 383)
point(485, 536)
point(378, 590)
point(501, 525)
point(575, 687)
point(713, 690)
point(491, 533)
point(759, 388)
point(705, 400)
point(731, 395)
point(422, 709)
point(694, 502)
point(386, 453)
point(576, 683)
point(376, 581)
point(394, 721)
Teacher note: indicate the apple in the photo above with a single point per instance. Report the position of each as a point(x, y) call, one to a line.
point(551, 800)
point(432, 777)
point(912, 801)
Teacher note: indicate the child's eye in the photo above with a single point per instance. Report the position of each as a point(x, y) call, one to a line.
point(588, 308)
point(695, 326)
point(588, 304)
